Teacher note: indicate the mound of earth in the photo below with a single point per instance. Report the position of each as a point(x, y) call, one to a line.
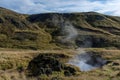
point(47, 64)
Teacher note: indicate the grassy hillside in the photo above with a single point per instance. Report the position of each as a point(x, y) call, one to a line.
point(44, 31)
point(101, 30)
point(17, 32)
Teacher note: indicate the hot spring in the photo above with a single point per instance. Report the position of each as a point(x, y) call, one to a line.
point(88, 61)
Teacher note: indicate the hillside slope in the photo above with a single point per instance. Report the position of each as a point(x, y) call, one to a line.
point(58, 30)
point(93, 29)
point(17, 32)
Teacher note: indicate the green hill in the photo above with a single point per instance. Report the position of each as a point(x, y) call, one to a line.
point(58, 30)
point(17, 32)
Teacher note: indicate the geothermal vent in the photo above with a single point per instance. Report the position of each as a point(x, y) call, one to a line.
point(88, 61)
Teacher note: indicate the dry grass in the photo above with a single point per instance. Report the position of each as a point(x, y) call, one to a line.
point(22, 58)
point(11, 59)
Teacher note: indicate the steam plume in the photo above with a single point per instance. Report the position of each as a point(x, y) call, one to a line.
point(69, 32)
point(84, 60)
point(87, 61)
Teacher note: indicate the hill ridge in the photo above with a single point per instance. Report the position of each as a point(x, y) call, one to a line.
point(43, 31)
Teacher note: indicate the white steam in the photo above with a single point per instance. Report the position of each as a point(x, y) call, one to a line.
point(69, 32)
point(87, 61)
point(80, 62)
point(84, 60)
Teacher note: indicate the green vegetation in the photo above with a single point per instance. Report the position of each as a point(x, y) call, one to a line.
point(43, 31)
point(31, 46)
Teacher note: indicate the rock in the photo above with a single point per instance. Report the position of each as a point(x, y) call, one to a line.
point(115, 64)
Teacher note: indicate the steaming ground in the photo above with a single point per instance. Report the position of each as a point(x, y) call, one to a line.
point(87, 61)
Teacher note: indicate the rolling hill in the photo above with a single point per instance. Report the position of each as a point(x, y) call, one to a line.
point(58, 30)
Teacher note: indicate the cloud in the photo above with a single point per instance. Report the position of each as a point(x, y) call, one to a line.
point(111, 7)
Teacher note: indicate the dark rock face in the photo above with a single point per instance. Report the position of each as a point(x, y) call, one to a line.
point(46, 64)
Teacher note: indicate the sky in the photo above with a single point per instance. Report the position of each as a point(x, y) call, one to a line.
point(110, 7)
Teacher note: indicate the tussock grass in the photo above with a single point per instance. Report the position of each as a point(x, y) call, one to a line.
point(20, 58)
